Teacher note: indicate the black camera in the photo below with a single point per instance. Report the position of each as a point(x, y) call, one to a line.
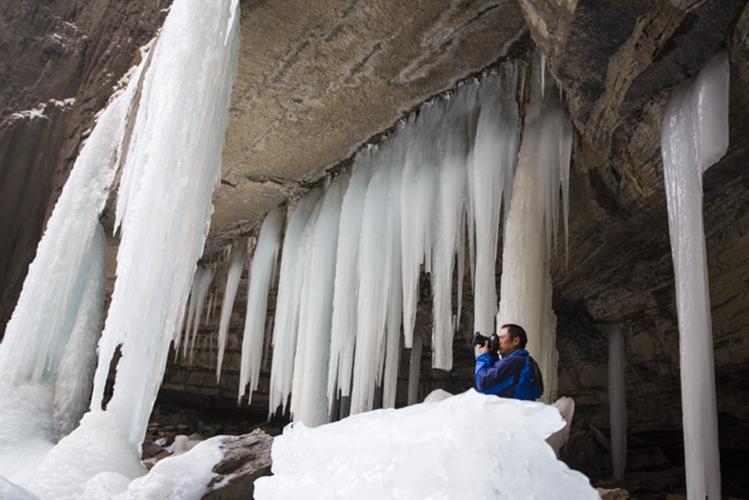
point(493, 340)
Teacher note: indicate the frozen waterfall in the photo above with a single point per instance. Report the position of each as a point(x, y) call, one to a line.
point(694, 137)
point(166, 130)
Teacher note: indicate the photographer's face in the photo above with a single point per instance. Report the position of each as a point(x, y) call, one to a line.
point(506, 343)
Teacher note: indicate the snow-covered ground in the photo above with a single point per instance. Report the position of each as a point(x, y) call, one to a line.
point(466, 446)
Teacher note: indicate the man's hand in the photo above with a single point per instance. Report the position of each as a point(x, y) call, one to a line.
point(484, 348)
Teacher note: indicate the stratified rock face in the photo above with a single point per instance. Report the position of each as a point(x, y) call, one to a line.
point(59, 62)
point(317, 79)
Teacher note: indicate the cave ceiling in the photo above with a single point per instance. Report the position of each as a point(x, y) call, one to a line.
point(316, 80)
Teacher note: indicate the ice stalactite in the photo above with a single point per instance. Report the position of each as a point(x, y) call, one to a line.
point(201, 284)
point(490, 176)
point(418, 192)
point(260, 280)
point(694, 137)
point(451, 204)
point(374, 250)
point(544, 156)
point(617, 401)
point(413, 202)
point(414, 370)
point(236, 265)
point(343, 326)
point(394, 317)
point(309, 383)
point(287, 302)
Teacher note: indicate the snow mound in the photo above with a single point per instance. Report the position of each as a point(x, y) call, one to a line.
point(466, 446)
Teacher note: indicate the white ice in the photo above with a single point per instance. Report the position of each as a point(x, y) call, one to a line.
point(343, 326)
point(309, 384)
point(287, 302)
point(430, 450)
point(695, 136)
point(262, 270)
point(236, 265)
point(525, 297)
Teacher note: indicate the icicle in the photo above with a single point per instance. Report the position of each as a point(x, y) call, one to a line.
point(189, 316)
point(418, 192)
point(695, 136)
point(238, 254)
point(308, 397)
point(204, 278)
point(395, 292)
point(374, 249)
point(490, 176)
point(260, 279)
point(343, 330)
point(287, 303)
point(450, 214)
point(617, 401)
point(414, 370)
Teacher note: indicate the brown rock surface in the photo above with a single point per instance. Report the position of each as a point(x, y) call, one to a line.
point(246, 458)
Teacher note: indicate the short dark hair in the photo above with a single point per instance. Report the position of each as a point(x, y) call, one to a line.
point(516, 331)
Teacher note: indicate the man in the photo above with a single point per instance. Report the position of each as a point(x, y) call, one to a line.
point(516, 375)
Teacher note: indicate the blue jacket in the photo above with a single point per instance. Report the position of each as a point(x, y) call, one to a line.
point(501, 376)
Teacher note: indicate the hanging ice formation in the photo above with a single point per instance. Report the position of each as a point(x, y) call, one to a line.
point(287, 302)
point(175, 131)
point(260, 279)
point(201, 282)
point(542, 172)
point(238, 254)
point(309, 382)
point(449, 167)
point(694, 137)
point(617, 401)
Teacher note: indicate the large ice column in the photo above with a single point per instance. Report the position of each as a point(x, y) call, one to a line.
point(395, 294)
point(287, 302)
point(262, 271)
point(617, 401)
point(238, 255)
point(490, 172)
point(176, 154)
point(694, 137)
point(308, 398)
point(41, 324)
point(543, 161)
point(343, 329)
